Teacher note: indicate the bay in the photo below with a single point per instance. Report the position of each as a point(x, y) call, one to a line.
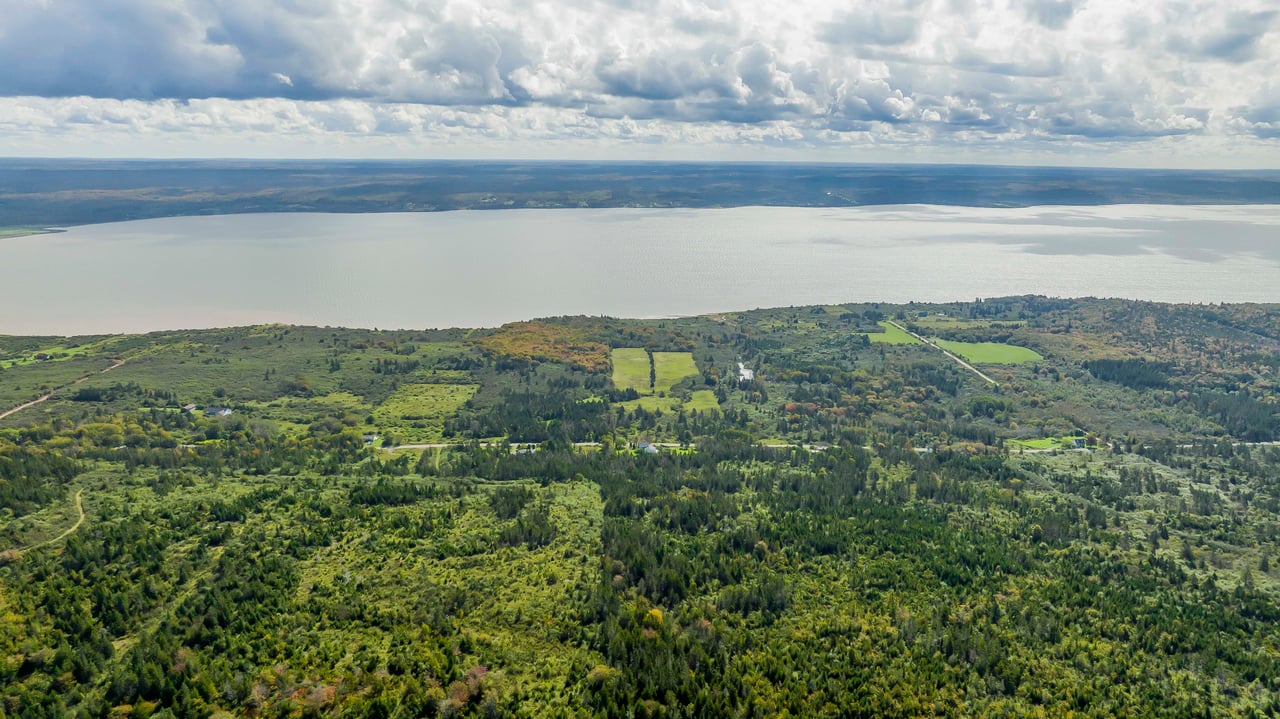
point(484, 268)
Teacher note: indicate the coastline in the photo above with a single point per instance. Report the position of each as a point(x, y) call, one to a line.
point(12, 233)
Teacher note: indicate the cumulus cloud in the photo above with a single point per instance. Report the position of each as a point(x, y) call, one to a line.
point(804, 73)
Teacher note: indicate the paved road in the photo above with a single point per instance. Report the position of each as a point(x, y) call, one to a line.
point(959, 361)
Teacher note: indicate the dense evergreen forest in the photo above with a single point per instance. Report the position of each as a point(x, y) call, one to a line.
point(779, 513)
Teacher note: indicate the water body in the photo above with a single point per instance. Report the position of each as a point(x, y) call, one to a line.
point(471, 269)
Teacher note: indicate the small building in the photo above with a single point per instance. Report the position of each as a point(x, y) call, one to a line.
point(369, 439)
point(188, 408)
point(218, 412)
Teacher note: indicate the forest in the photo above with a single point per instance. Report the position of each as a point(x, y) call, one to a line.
point(774, 513)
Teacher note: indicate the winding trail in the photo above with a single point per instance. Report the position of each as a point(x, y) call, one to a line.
point(64, 535)
point(38, 400)
point(958, 361)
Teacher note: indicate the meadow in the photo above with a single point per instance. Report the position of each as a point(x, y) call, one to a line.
point(631, 368)
point(989, 352)
point(891, 336)
point(671, 368)
point(416, 412)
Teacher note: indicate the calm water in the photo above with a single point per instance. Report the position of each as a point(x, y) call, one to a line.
point(486, 268)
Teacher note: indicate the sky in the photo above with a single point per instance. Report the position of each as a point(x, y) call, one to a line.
point(1139, 83)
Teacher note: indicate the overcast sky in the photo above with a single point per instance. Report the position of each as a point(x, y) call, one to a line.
point(1192, 83)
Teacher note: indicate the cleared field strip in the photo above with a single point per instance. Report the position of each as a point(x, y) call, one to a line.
point(631, 369)
point(990, 352)
point(893, 335)
point(671, 367)
point(957, 360)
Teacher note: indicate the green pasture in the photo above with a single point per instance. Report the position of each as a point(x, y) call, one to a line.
point(891, 336)
point(671, 367)
point(989, 352)
point(703, 400)
point(1045, 443)
point(631, 369)
point(652, 403)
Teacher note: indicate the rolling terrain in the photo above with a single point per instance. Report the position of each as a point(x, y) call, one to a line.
point(1022, 505)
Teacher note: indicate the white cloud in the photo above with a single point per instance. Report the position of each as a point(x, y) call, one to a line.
point(947, 77)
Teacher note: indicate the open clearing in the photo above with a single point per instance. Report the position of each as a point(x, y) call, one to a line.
point(652, 404)
point(671, 367)
point(54, 353)
point(703, 400)
point(416, 412)
point(891, 336)
point(1046, 443)
point(989, 352)
point(631, 369)
point(944, 322)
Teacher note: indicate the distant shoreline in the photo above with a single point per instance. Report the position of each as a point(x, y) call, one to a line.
point(67, 193)
point(11, 233)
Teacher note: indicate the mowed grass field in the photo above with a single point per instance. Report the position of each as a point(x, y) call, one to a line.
point(631, 369)
point(415, 413)
point(1046, 442)
point(671, 367)
point(989, 352)
point(892, 336)
point(703, 400)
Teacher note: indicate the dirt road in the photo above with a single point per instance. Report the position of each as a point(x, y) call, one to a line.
point(958, 361)
point(38, 400)
point(69, 532)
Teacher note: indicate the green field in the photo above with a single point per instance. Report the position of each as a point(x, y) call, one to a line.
point(989, 352)
point(671, 367)
point(652, 403)
point(703, 400)
point(631, 369)
point(892, 336)
point(8, 232)
point(56, 353)
point(416, 412)
point(1045, 442)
